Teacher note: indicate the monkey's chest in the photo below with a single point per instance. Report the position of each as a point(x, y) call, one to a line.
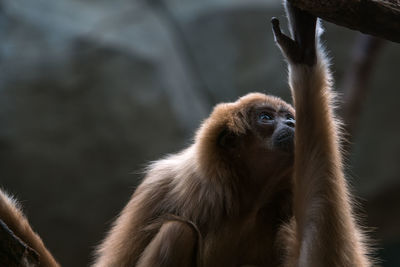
point(243, 243)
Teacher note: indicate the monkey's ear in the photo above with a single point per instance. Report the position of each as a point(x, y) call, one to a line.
point(227, 139)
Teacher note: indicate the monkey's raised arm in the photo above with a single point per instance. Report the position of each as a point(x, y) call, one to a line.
point(325, 227)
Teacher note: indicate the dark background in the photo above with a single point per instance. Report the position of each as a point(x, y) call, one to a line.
point(91, 91)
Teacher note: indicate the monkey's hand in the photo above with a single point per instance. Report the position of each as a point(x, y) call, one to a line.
point(301, 48)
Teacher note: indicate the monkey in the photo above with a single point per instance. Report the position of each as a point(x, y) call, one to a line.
point(262, 188)
point(12, 216)
point(227, 184)
point(262, 184)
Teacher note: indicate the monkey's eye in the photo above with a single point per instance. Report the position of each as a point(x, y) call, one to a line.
point(290, 117)
point(264, 117)
point(290, 121)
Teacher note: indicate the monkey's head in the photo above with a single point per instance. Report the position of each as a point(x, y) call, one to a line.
point(254, 135)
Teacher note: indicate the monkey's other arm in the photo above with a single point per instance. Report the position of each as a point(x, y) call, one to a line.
point(174, 245)
point(324, 225)
point(140, 238)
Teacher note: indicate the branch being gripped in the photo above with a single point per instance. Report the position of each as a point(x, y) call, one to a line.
point(375, 17)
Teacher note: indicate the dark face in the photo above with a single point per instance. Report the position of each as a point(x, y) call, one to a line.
point(271, 134)
point(274, 128)
point(265, 154)
point(268, 149)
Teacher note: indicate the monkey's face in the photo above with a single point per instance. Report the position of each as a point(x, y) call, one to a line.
point(267, 149)
point(254, 134)
point(268, 144)
point(255, 137)
point(274, 128)
point(269, 134)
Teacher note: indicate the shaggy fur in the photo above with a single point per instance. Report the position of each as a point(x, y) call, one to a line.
point(323, 231)
point(236, 218)
point(326, 232)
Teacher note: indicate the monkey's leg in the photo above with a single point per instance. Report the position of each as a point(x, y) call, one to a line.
point(175, 245)
point(326, 232)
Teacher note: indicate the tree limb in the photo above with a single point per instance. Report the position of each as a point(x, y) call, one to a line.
point(376, 17)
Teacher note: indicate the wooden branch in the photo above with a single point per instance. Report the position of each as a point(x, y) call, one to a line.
point(14, 252)
point(376, 17)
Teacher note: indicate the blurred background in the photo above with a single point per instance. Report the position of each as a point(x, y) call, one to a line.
point(91, 91)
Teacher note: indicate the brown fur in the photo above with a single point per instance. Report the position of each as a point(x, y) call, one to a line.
point(173, 237)
point(236, 213)
point(323, 231)
point(12, 216)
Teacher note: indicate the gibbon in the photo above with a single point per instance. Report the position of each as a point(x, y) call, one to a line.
point(227, 194)
point(256, 188)
point(13, 217)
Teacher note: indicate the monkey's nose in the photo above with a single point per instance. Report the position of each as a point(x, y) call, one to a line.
point(290, 123)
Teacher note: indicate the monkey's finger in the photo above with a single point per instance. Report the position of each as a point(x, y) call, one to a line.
point(276, 29)
point(279, 37)
point(287, 45)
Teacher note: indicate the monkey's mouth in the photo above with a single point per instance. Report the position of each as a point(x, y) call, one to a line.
point(285, 141)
